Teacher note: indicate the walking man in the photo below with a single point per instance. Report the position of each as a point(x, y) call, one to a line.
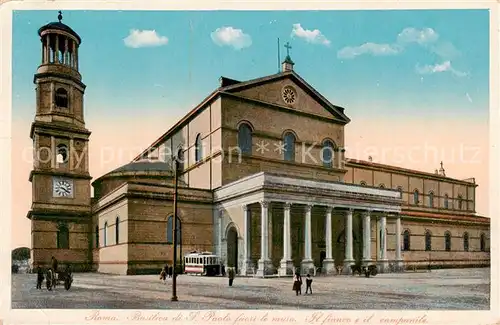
point(308, 284)
point(54, 264)
point(230, 274)
point(39, 277)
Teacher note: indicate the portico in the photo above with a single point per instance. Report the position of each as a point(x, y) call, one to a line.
point(289, 223)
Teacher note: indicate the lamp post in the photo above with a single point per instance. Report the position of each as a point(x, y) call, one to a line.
point(174, 226)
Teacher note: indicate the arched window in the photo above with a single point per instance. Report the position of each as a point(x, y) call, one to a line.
point(406, 240)
point(61, 98)
point(289, 140)
point(460, 202)
point(63, 236)
point(105, 234)
point(428, 240)
point(362, 183)
point(327, 153)
point(446, 201)
point(431, 199)
point(62, 154)
point(483, 242)
point(400, 190)
point(381, 186)
point(117, 230)
point(170, 230)
point(96, 236)
point(447, 241)
point(180, 159)
point(197, 149)
point(415, 197)
point(245, 139)
point(466, 242)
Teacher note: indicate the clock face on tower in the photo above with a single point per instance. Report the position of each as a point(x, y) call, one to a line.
point(62, 187)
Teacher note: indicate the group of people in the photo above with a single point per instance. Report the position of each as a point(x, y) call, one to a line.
point(167, 271)
point(40, 275)
point(297, 284)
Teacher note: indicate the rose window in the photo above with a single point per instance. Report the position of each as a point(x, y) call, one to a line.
point(289, 95)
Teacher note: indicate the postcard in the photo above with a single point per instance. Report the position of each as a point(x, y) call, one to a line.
point(319, 164)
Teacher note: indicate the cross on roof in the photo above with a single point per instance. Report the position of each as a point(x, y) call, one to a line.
point(441, 165)
point(288, 47)
point(59, 17)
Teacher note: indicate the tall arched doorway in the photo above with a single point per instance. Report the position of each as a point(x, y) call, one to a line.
point(232, 248)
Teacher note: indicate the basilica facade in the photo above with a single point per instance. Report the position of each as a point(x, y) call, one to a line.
point(264, 182)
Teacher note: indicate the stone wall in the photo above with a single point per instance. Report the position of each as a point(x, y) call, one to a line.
point(44, 245)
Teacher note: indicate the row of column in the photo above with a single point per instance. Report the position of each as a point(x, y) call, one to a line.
point(50, 52)
point(307, 264)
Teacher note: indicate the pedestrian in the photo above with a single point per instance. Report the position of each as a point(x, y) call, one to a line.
point(163, 273)
point(39, 277)
point(54, 264)
point(297, 284)
point(230, 275)
point(223, 270)
point(170, 271)
point(308, 283)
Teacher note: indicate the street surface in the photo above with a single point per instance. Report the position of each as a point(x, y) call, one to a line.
point(456, 289)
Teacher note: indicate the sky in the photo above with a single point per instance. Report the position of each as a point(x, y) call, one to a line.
point(414, 83)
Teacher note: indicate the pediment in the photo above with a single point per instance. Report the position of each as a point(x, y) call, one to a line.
point(291, 91)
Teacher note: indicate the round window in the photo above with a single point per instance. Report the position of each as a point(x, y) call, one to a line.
point(289, 95)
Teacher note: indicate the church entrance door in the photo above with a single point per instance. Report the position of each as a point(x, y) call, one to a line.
point(232, 248)
point(322, 256)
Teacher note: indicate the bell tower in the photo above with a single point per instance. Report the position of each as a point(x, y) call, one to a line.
point(60, 211)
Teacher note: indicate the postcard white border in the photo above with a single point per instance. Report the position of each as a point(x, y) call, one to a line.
point(78, 316)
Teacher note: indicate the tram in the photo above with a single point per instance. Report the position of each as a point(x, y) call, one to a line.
point(201, 263)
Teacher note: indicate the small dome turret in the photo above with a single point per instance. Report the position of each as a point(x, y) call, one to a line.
point(60, 45)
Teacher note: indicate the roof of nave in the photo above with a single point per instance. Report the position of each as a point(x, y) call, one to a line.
point(385, 167)
point(472, 218)
point(228, 86)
